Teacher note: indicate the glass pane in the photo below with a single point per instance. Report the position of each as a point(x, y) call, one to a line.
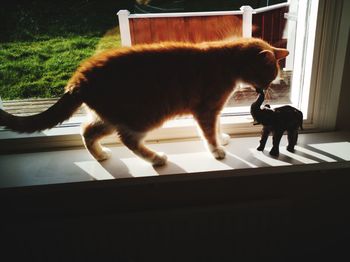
point(297, 26)
point(269, 22)
point(43, 42)
point(275, 26)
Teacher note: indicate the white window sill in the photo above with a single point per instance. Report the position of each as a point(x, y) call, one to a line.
point(67, 135)
point(189, 158)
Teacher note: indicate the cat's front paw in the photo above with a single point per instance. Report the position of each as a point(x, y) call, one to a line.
point(224, 139)
point(104, 154)
point(219, 152)
point(159, 159)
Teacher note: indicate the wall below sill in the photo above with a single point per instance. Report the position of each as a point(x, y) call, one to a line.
point(293, 211)
point(185, 157)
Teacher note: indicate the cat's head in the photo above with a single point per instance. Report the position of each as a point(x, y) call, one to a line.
point(262, 67)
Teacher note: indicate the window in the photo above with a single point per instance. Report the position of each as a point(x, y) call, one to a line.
point(267, 22)
point(305, 81)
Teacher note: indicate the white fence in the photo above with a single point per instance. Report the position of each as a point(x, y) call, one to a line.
point(246, 12)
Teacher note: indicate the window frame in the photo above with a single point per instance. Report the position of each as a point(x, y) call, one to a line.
point(325, 85)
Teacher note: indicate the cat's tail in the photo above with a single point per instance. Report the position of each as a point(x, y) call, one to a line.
point(57, 113)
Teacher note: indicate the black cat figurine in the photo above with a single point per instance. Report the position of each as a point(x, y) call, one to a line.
point(276, 121)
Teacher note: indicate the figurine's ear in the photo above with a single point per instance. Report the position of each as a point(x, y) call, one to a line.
point(280, 53)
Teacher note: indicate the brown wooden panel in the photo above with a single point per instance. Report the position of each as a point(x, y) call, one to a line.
point(132, 36)
point(222, 27)
point(213, 28)
point(178, 27)
point(159, 30)
point(209, 24)
point(194, 27)
point(276, 30)
point(268, 26)
point(258, 24)
point(174, 29)
point(141, 31)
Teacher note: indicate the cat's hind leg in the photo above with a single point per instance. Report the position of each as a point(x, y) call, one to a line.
point(92, 132)
point(223, 138)
point(134, 141)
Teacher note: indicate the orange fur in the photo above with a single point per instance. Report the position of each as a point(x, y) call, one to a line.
point(133, 90)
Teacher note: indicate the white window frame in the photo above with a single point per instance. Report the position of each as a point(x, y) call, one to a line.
point(331, 40)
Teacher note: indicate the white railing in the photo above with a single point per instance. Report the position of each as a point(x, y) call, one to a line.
point(247, 18)
point(271, 7)
point(186, 14)
point(247, 13)
point(124, 28)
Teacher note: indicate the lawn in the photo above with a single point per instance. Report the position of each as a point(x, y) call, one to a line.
point(43, 42)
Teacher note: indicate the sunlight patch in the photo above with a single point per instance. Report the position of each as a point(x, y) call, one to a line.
point(312, 153)
point(299, 158)
point(242, 160)
point(139, 167)
point(198, 162)
point(338, 149)
point(94, 169)
point(268, 159)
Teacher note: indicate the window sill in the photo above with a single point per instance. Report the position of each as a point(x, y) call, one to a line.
point(315, 151)
point(67, 135)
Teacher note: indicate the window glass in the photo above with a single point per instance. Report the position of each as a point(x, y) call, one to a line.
point(43, 42)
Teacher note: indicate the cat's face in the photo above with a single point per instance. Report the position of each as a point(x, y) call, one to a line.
point(263, 67)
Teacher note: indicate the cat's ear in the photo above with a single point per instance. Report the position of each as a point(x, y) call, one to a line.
point(280, 53)
point(267, 55)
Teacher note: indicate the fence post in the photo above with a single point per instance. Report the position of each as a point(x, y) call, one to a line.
point(124, 28)
point(247, 20)
point(291, 32)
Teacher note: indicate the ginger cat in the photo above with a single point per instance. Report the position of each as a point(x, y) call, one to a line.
point(134, 90)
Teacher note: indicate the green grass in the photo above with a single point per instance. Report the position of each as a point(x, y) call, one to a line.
point(41, 68)
point(43, 42)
